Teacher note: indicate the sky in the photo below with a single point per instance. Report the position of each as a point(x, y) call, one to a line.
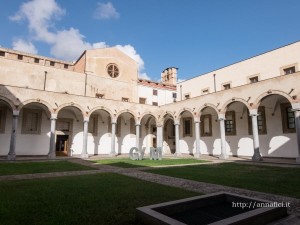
point(196, 36)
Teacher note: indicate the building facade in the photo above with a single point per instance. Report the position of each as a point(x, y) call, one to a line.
point(98, 105)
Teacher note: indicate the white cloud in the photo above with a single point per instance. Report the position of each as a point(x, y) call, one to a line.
point(24, 46)
point(105, 11)
point(67, 44)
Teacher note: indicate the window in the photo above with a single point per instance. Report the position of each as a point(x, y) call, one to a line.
point(289, 70)
point(125, 99)
point(205, 91)
point(2, 53)
point(2, 119)
point(20, 57)
point(36, 60)
point(261, 121)
point(187, 127)
point(93, 125)
point(132, 126)
point(230, 128)
point(142, 100)
point(226, 86)
point(206, 125)
point(288, 118)
point(98, 95)
point(174, 94)
point(113, 70)
point(253, 79)
point(187, 96)
point(155, 103)
point(52, 63)
point(31, 123)
point(154, 92)
point(66, 66)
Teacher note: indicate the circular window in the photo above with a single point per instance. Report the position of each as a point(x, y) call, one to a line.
point(113, 70)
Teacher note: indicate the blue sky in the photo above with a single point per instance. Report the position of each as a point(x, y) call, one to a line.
point(196, 36)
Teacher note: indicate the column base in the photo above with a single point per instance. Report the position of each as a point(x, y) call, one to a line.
point(112, 154)
point(197, 155)
point(257, 157)
point(11, 156)
point(222, 156)
point(298, 160)
point(84, 155)
point(177, 154)
point(52, 155)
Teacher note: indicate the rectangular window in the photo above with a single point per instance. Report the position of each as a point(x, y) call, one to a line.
point(253, 79)
point(36, 60)
point(99, 95)
point(125, 99)
point(174, 94)
point(142, 100)
point(66, 66)
point(261, 121)
point(230, 125)
point(20, 57)
point(93, 125)
point(2, 53)
point(154, 92)
point(226, 86)
point(31, 123)
point(205, 91)
point(2, 119)
point(289, 70)
point(206, 125)
point(187, 127)
point(52, 63)
point(155, 103)
point(288, 118)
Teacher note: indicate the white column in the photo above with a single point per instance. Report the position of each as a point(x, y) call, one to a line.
point(84, 153)
point(197, 134)
point(12, 147)
point(297, 124)
point(256, 155)
point(177, 151)
point(223, 140)
point(113, 137)
point(51, 154)
point(159, 136)
point(137, 132)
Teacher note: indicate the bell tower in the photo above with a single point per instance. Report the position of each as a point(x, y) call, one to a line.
point(169, 76)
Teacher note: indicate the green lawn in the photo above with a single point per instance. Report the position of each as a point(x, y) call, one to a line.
point(13, 168)
point(128, 163)
point(276, 180)
point(88, 199)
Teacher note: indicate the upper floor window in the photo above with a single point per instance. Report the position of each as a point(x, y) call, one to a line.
point(66, 66)
point(155, 103)
point(20, 57)
point(288, 118)
point(253, 79)
point(125, 99)
point(187, 96)
point(206, 125)
point(154, 92)
point(113, 70)
point(52, 63)
point(2, 53)
point(289, 70)
point(230, 124)
point(187, 127)
point(142, 100)
point(174, 95)
point(205, 91)
point(31, 123)
point(226, 86)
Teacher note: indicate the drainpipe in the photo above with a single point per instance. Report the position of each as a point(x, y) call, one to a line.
point(45, 80)
point(85, 83)
point(180, 92)
point(215, 82)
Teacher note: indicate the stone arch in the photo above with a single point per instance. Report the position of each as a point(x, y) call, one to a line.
point(179, 114)
point(135, 117)
point(71, 104)
point(225, 106)
point(9, 102)
point(148, 113)
point(100, 108)
point(162, 119)
point(49, 108)
point(258, 100)
point(206, 106)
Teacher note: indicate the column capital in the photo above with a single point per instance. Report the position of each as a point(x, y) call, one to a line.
point(253, 112)
point(221, 116)
point(86, 119)
point(197, 121)
point(16, 112)
point(138, 124)
point(53, 116)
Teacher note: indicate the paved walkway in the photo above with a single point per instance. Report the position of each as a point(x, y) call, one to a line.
point(195, 186)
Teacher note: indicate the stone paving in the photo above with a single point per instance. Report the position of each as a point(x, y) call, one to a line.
point(195, 186)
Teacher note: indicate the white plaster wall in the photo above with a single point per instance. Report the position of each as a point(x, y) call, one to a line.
point(164, 96)
point(5, 137)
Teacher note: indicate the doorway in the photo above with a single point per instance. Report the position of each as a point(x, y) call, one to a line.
point(63, 137)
